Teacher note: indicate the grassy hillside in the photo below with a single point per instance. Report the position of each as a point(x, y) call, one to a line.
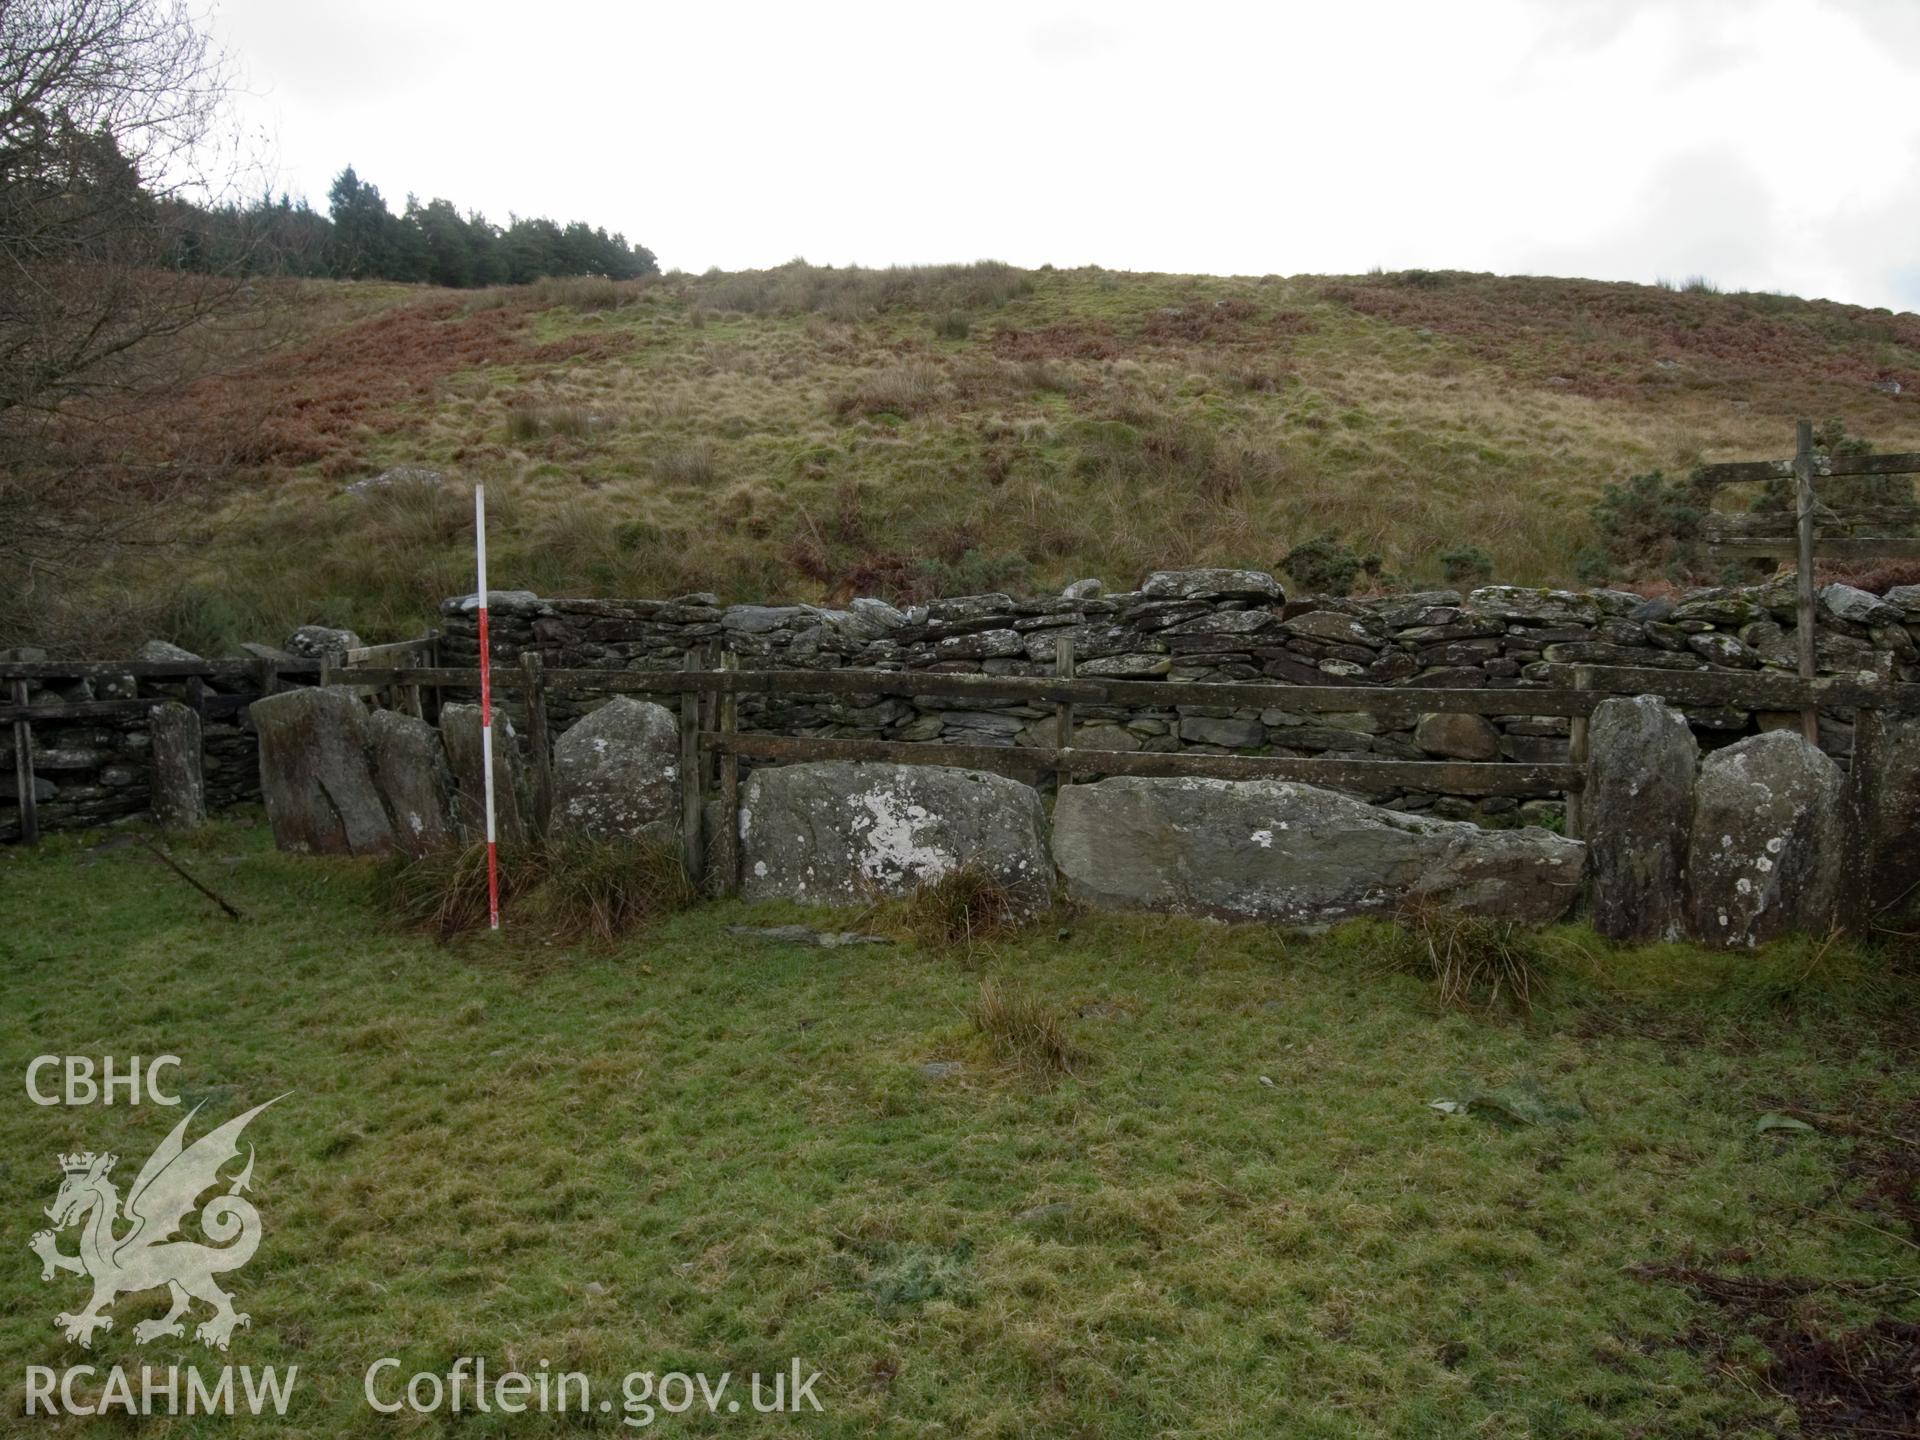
point(812, 433)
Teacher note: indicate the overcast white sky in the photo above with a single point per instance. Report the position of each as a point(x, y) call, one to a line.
point(1765, 145)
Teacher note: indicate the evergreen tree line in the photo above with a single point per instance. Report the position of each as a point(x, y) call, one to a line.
point(359, 238)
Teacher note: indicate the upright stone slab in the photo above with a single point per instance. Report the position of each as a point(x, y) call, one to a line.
point(314, 775)
point(1276, 850)
point(1641, 761)
point(616, 774)
point(179, 781)
point(845, 832)
point(512, 801)
point(410, 771)
point(1893, 821)
point(1767, 842)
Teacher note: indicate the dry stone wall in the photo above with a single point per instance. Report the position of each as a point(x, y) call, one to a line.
point(98, 770)
point(1227, 626)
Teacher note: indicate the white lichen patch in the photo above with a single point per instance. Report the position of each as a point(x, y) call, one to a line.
point(892, 850)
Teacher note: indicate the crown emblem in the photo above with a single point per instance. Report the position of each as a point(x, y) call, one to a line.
point(78, 1164)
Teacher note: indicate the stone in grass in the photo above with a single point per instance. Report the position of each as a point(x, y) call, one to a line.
point(411, 772)
point(179, 783)
point(841, 832)
point(314, 775)
point(1764, 858)
point(1276, 850)
point(1641, 759)
point(460, 733)
point(616, 774)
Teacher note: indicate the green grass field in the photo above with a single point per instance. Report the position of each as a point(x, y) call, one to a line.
point(1239, 1216)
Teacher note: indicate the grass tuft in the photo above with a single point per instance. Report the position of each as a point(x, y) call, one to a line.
point(1024, 1030)
point(445, 893)
point(570, 888)
point(1478, 962)
point(601, 890)
point(964, 907)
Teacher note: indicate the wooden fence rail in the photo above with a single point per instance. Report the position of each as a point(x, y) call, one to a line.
point(709, 688)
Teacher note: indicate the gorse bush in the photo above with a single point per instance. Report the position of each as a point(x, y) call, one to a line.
point(1466, 565)
point(1327, 565)
point(1645, 529)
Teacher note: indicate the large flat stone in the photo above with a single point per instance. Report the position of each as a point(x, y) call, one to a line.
point(1276, 850)
point(616, 774)
point(846, 832)
point(411, 773)
point(1766, 849)
point(460, 733)
point(314, 775)
point(179, 779)
point(1641, 757)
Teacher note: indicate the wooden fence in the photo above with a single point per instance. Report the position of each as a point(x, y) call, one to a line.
point(712, 744)
point(1798, 534)
point(195, 679)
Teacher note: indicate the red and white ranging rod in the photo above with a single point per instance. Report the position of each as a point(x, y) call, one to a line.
point(486, 706)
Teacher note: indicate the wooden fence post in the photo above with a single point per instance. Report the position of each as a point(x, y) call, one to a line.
point(1864, 776)
point(1803, 532)
point(726, 849)
point(1063, 710)
point(537, 738)
point(433, 663)
point(692, 776)
point(23, 771)
point(1577, 756)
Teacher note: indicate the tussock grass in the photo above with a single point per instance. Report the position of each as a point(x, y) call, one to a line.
point(601, 890)
point(568, 888)
point(903, 390)
point(1025, 1030)
point(689, 464)
point(531, 420)
point(1474, 961)
point(963, 908)
point(445, 893)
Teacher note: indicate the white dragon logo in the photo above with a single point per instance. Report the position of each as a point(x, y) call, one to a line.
point(145, 1257)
